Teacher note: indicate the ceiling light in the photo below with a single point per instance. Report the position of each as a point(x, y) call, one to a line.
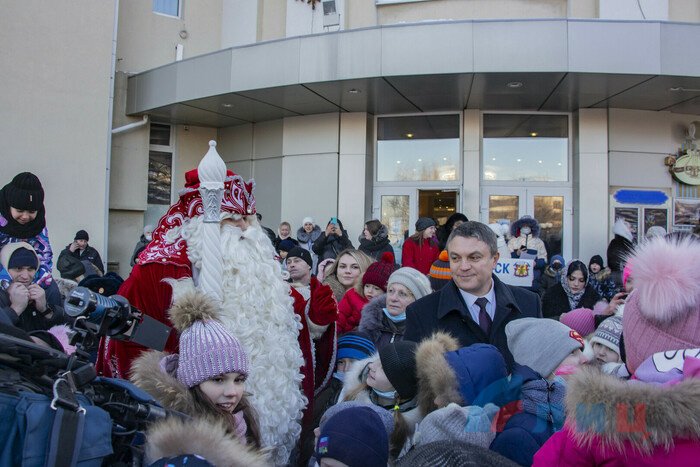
point(228, 106)
point(354, 91)
point(409, 135)
point(444, 158)
point(559, 164)
point(493, 158)
point(398, 162)
point(515, 84)
point(539, 162)
point(533, 134)
point(518, 160)
point(420, 160)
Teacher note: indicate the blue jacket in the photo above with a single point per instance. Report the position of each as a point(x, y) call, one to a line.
point(525, 432)
point(446, 311)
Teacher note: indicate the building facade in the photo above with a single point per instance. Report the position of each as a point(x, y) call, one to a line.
point(360, 109)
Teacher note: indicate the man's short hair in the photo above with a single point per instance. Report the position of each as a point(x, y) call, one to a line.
point(476, 230)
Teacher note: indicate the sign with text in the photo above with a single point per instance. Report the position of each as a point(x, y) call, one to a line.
point(515, 271)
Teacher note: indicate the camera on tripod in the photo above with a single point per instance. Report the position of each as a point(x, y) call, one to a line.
point(113, 317)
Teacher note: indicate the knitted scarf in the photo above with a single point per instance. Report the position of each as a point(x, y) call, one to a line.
point(574, 298)
point(545, 399)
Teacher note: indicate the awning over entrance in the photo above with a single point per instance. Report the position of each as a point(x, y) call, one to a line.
point(535, 65)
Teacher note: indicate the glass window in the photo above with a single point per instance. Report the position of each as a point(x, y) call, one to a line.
point(418, 148)
point(527, 148)
point(549, 211)
point(395, 215)
point(160, 134)
point(503, 207)
point(159, 177)
point(167, 7)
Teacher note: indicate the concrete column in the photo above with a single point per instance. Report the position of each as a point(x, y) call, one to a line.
point(352, 188)
point(471, 175)
point(590, 164)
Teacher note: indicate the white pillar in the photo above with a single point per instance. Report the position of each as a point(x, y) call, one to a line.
point(212, 173)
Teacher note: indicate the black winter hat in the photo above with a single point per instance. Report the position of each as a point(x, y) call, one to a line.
point(25, 192)
point(299, 252)
point(82, 235)
point(597, 259)
point(399, 364)
point(423, 223)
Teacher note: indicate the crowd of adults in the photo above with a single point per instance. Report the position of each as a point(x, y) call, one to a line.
point(434, 361)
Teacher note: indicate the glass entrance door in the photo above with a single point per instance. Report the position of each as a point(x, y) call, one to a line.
point(400, 207)
point(551, 207)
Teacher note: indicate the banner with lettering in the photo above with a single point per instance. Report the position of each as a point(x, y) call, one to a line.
point(514, 271)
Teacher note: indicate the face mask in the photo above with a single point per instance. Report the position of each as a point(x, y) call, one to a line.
point(339, 375)
point(556, 266)
point(385, 394)
point(395, 319)
point(525, 231)
point(149, 237)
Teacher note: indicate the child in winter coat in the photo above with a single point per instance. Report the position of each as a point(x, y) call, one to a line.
point(23, 219)
point(373, 285)
point(653, 418)
point(600, 278)
point(459, 390)
point(207, 378)
point(606, 347)
point(544, 351)
point(388, 379)
point(421, 249)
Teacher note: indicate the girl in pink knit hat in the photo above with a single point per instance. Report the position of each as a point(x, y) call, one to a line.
point(207, 378)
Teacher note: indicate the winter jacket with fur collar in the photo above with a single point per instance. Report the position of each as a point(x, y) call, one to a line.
point(377, 326)
point(659, 426)
point(201, 435)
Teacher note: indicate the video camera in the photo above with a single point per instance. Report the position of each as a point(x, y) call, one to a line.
point(113, 317)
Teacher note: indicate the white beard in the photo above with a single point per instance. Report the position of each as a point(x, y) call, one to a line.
point(258, 310)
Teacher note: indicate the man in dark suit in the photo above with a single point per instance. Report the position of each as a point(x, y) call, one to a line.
point(475, 305)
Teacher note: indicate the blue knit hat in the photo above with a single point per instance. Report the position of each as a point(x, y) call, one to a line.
point(355, 345)
point(356, 437)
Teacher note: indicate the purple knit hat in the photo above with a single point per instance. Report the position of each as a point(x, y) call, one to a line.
point(207, 348)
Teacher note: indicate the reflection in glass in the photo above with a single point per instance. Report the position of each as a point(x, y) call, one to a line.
point(395, 215)
point(521, 147)
point(549, 212)
point(437, 204)
point(418, 148)
point(503, 207)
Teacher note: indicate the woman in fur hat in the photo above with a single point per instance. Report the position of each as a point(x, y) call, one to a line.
point(206, 380)
point(384, 318)
point(653, 418)
point(23, 219)
point(388, 379)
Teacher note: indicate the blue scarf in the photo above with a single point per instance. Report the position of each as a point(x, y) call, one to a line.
point(395, 319)
point(545, 399)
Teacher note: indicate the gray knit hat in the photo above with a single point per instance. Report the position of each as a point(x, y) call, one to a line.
point(413, 280)
point(453, 423)
point(608, 333)
point(541, 343)
point(423, 223)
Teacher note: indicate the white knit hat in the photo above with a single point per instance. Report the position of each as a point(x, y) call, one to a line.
point(413, 280)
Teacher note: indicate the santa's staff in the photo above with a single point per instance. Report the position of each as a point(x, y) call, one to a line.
point(212, 173)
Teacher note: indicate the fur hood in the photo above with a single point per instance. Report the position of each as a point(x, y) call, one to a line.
point(380, 238)
point(146, 373)
point(337, 288)
point(436, 379)
point(523, 221)
point(601, 275)
point(621, 229)
point(371, 322)
point(305, 237)
point(669, 411)
point(204, 437)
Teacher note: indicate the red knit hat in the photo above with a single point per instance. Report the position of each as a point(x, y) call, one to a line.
point(663, 311)
point(378, 272)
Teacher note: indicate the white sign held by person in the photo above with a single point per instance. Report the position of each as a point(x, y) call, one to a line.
point(514, 271)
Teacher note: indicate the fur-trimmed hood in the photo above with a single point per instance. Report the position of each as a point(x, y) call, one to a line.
point(146, 373)
point(305, 237)
point(472, 375)
point(523, 221)
point(594, 401)
point(372, 320)
point(204, 437)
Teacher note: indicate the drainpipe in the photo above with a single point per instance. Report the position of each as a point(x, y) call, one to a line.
point(130, 126)
point(110, 119)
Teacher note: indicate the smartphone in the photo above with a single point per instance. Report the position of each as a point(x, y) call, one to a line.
point(334, 220)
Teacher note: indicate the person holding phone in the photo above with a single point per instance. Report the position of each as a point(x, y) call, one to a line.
point(332, 241)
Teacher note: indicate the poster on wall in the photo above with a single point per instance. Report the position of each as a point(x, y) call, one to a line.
point(631, 215)
point(655, 216)
point(686, 211)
